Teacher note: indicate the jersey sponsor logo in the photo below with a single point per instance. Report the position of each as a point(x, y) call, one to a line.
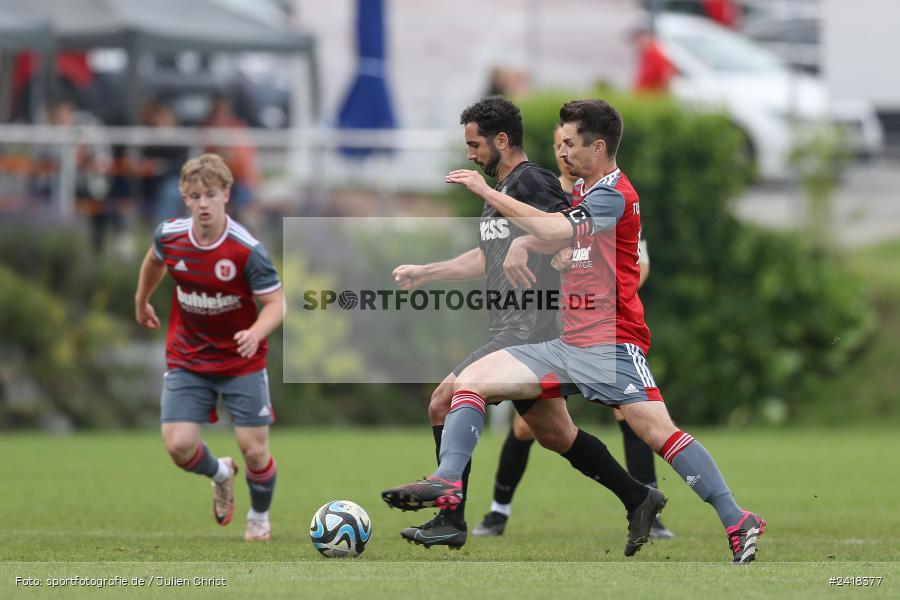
point(225, 270)
point(204, 304)
point(493, 229)
point(180, 266)
point(581, 258)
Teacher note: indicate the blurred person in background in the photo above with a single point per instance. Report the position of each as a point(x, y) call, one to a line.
point(93, 165)
point(723, 12)
point(517, 446)
point(508, 82)
point(240, 158)
point(162, 166)
point(654, 69)
point(216, 342)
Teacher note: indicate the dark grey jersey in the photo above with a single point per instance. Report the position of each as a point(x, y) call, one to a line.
point(532, 184)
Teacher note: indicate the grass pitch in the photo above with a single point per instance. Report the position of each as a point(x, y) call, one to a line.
point(97, 506)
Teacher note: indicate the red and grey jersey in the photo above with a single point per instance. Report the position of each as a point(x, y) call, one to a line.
point(214, 296)
point(600, 300)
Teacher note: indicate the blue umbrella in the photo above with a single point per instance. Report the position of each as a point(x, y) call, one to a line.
point(368, 104)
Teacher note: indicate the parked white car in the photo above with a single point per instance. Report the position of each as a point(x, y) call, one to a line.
point(722, 69)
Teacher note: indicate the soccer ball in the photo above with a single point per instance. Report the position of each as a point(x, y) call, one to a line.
point(340, 528)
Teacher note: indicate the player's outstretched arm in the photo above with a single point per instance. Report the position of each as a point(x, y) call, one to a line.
point(469, 265)
point(152, 272)
point(546, 226)
point(270, 317)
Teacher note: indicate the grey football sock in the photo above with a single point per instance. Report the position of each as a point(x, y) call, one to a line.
point(697, 467)
point(462, 428)
point(203, 462)
point(262, 486)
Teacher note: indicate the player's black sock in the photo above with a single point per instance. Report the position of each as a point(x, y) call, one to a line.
point(458, 515)
point(592, 458)
point(203, 462)
point(513, 460)
point(262, 486)
point(437, 431)
point(638, 456)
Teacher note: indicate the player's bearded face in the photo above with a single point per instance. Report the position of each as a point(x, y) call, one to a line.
point(492, 163)
point(482, 150)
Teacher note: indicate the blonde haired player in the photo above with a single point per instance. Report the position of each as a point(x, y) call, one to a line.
point(216, 343)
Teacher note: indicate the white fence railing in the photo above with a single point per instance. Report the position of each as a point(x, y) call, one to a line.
point(309, 159)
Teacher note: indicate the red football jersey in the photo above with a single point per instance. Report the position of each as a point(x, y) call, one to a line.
point(600, 300)
point(214, 296)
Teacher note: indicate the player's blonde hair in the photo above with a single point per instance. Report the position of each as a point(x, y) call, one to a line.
point(209, 169)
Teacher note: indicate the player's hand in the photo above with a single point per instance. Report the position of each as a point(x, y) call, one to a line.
point(562, 260)
point(247, 343)
point(409, 277)
point(516, 266)
point(471, 179)
point(146, 316)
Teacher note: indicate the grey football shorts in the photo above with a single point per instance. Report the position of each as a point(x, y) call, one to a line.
point(501, 341)
point(192, 397)
point(611, 374)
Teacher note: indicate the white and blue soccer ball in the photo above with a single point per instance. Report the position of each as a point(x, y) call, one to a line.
point(340, 528)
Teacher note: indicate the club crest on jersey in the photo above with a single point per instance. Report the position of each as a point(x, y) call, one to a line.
point(225, 270)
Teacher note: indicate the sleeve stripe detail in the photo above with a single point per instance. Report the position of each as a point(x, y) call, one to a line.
point(242, 234)
point(176, 226)
point(267, 290)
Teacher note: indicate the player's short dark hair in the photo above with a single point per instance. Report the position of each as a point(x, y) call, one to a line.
point(493, 115)
point(594, 119)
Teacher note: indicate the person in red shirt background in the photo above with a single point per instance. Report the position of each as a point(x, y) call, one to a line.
point(654, 70)
point(723, 12)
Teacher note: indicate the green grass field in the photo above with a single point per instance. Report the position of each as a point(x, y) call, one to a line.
point(107, 505)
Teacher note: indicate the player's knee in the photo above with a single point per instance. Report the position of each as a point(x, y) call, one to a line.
point(552, 440)
point(181, 449)
point(438, 408)
point(255, 455)
point(469, 381)
point(558, 439)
